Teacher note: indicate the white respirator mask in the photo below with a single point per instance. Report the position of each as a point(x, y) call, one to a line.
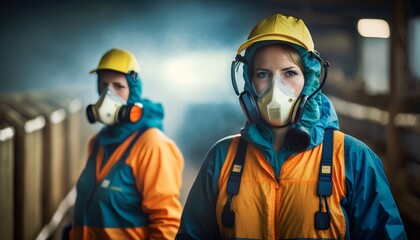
point(111, 109)
point(275, 103)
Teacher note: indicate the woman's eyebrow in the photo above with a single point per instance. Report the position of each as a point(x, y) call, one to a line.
point(282, 69)
point(263, 69)
point(288, 68)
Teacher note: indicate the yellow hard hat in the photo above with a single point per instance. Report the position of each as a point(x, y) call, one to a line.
point(119, 60)
point(281, 28)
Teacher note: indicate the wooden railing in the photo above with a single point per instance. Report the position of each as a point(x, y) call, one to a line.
point(42, 143)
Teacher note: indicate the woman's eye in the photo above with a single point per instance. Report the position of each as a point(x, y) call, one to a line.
point(263, 75)
point(118, 86)
point(291, 73)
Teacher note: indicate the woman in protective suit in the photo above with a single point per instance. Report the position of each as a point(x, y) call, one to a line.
point(290, 174)
point(130, 186)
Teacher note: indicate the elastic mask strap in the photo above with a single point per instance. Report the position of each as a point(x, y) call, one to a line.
point(133, 75)
point(233, 69)
point(325, 65)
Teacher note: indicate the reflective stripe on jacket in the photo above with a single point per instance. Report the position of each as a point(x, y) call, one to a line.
point(140, 200)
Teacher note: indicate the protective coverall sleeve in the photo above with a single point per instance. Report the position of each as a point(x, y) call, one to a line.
point(199, 216)
point(158, 178)
point(369, 203)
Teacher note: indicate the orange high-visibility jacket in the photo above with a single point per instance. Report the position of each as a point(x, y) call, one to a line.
point(278, 195)
point(139, 199)
point(268, 207)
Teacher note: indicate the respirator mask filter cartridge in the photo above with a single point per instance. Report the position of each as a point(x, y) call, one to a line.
point(111, 109)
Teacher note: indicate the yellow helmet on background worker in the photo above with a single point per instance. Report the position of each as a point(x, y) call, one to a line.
point(111, 109)
point(281, 28)
point(119, 60)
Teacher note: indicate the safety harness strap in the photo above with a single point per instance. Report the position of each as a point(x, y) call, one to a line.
point(235, 175)
point(234, 182)
point(325, 170)
point(323, 219)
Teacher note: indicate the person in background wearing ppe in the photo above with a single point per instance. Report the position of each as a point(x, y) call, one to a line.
point(290, 174)
point(130, 186)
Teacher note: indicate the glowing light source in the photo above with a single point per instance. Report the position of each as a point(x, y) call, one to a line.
point(374, 28)
point(6, 133)
point(197, 75)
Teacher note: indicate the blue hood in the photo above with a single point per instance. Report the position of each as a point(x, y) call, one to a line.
point(319, 112)
point(111, 136)
point(312, 72)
